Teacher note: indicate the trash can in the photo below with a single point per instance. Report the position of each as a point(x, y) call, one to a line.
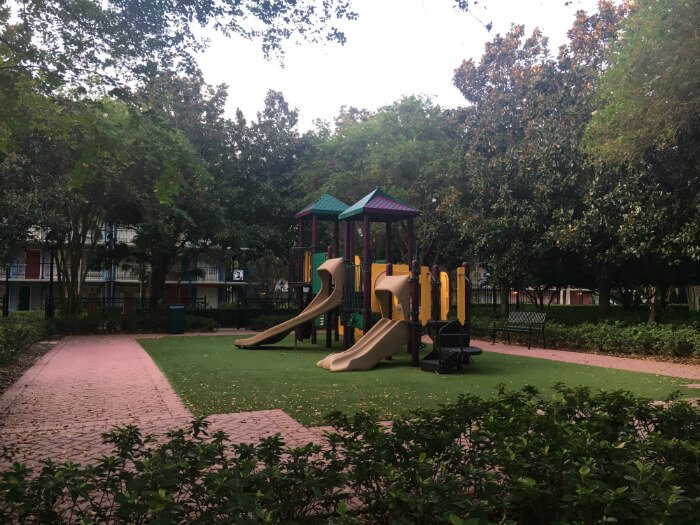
point(176, 319)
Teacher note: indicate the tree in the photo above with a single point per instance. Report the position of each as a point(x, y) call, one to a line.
point(649, 124)
point(405, 148)
point(94, 44)
point(588, 225)
point(519, 167)
point(263, 194)
point(650, 93)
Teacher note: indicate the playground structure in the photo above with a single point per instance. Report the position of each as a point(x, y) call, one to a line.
point(405, 296)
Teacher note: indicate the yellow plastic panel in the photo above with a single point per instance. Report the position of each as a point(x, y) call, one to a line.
point(461, 314)
point(307, 267)
point(444, 295)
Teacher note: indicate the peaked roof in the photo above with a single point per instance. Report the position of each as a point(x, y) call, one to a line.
point(380, 205)
point(326, 205)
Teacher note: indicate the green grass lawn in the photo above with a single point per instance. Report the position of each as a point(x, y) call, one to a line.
point(212, 376)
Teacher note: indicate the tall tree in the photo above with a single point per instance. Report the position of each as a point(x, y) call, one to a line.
point(118, 40)
point(650, 94)
point(649, 124)
point(406, 148)
point(517, 168)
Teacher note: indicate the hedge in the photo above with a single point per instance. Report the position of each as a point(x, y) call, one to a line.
point(571, 457)
point(19, 332)
point(676, 340)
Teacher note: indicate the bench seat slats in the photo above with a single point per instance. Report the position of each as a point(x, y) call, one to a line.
point(522, 322)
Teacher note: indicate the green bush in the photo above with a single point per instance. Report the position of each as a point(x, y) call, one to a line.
point(572, 457)
point(265, 321)
point(228, 316)
point(674, 340)
point(20, 331)
point(197, 323)
point(140, 322)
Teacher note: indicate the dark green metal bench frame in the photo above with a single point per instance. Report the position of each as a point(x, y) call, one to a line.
point(522, 323)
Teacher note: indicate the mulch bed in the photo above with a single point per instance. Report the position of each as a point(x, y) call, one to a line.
point(12, 371)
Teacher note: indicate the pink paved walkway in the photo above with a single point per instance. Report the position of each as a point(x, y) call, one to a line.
point(86, 385)
point(649, 366)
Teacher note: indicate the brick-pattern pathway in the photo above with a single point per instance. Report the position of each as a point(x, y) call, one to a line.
point(86, 385)
point(647, 366)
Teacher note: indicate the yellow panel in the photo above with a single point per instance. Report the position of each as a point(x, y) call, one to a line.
point(444, 295)
point(461, 314)
point(377, 270)
point(307, 267)
point(424, 315)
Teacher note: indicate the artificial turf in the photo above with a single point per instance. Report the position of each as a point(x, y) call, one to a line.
point(212, 376)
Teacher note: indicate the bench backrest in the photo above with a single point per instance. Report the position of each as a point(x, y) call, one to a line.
point(526, 318)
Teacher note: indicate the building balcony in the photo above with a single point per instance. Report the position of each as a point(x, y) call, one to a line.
point(40, 272)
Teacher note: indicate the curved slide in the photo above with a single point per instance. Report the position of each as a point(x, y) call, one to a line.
point(383, 340)
point(324, 301)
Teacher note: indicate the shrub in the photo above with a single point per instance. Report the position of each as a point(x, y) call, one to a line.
point(20, 331)
point(675, 340)
point(265, 321)
point(137, 322)
point(197, 323)
point(572, 457)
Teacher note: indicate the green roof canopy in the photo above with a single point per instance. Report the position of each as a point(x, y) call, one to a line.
point(325, 206)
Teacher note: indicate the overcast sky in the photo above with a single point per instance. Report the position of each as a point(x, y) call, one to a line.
point(395, 48)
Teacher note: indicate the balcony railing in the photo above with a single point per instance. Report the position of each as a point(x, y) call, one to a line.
point(207, 274)
point(21, 272)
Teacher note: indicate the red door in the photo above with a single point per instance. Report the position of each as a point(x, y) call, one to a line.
point(33, 258)
point(184, 295)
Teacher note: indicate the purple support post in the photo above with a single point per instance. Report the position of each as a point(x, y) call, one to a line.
point(347, 257)
point(336, 238)
point(329, 315)
point(300, 290)
point(389, 272)
point(387, 250)
point(314, 244)
point(410, 240)
point(366, 278)
point(435, 293)
point(336, 243)
point(414, 343)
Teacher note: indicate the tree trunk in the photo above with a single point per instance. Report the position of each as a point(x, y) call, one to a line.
point(657, 304)
point(159, 273)
point(603, 278)
point(505, 298)
point(693, 293)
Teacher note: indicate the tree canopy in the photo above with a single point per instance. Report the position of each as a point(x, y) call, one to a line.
point(650, 93)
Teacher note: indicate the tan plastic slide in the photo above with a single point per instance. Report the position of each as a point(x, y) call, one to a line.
point(324, 301)
point(385, 338)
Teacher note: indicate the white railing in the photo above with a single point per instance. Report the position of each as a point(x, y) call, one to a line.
point(126, 235)
point(97, 275)
point(210, 274)
point(129, 273)
point(17, 271)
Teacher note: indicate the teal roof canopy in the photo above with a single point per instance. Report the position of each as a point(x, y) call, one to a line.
point(325, 206)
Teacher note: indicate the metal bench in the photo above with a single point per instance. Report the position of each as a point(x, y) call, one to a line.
point(522, 323)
